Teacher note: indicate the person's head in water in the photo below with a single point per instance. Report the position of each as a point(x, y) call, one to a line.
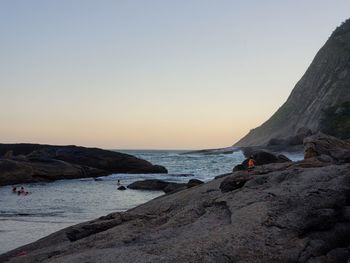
point(14, 188)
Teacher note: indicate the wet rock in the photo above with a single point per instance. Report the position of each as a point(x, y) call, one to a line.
point(150, 184)
point(122, 187)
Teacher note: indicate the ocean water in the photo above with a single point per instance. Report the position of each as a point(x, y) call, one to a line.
point(54, 206)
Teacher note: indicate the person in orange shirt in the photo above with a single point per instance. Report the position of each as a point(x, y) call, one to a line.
point(251, 163)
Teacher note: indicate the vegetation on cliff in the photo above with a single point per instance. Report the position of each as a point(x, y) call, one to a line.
point(336, 120)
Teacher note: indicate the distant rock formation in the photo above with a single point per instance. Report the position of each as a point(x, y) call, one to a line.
point(36, 163)
point(325, 83)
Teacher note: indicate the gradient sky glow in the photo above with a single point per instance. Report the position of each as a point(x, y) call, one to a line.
point(155, 74)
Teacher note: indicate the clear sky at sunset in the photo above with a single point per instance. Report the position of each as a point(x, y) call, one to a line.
point(153, 74)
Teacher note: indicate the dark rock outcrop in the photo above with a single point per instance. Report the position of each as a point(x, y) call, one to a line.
point(110, 161)
point(297, 139)
point(325, 83)
point(261, 158)
point(194, 182)
point(149, 184)
point(122, 187)
point(47, 170)
point(160, 185)
point(327, 148)
point(24, 163)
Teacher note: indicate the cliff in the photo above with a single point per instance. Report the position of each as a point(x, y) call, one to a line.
point(325, 83)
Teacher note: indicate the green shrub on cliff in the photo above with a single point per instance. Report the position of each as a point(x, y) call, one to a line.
point(336, 120)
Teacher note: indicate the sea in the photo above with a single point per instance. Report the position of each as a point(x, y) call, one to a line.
point(57, 205)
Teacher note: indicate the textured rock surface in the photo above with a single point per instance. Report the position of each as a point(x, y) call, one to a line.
point(325, 83)
point(324, 146)
point(110, 161)
point(19, 171)
point(24, 163)
point(261, 158)
point(160, 185)
point(283, 212)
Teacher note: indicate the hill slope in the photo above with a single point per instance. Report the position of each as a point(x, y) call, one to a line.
point(325, 83)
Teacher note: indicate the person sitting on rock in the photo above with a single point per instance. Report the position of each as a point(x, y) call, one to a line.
point(251, 163)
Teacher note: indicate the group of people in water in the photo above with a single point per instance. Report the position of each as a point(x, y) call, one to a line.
point(21, 191)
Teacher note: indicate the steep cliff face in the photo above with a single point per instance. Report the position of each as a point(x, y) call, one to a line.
point(325, 83)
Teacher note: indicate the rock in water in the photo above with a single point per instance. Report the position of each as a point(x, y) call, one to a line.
point(18, 171)
point(36, 163)
point(150, 184)
point(158, 185)
point(122, 187)
point(325, 83)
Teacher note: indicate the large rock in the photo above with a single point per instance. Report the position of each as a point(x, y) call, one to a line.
point(160, 185)
point(321, 146)
point(157, 185)
point(149, 184)
point(36, 162)
point(287, 212)
point(43, 170)
point(261, 158)
point(325, 83)
point(113, 162)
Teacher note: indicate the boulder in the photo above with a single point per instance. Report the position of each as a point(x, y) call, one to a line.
point(174, 187)
point(262, 157)
point(233, 182)
point(149, 184)
point(320, 145)
point(122, 187)
point(167, 187)
point(194, 182)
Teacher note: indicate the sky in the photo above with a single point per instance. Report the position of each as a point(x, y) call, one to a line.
point(155, 74)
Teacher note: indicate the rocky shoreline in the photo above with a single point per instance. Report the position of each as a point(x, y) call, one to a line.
point(277, 212)
point(27, 163)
